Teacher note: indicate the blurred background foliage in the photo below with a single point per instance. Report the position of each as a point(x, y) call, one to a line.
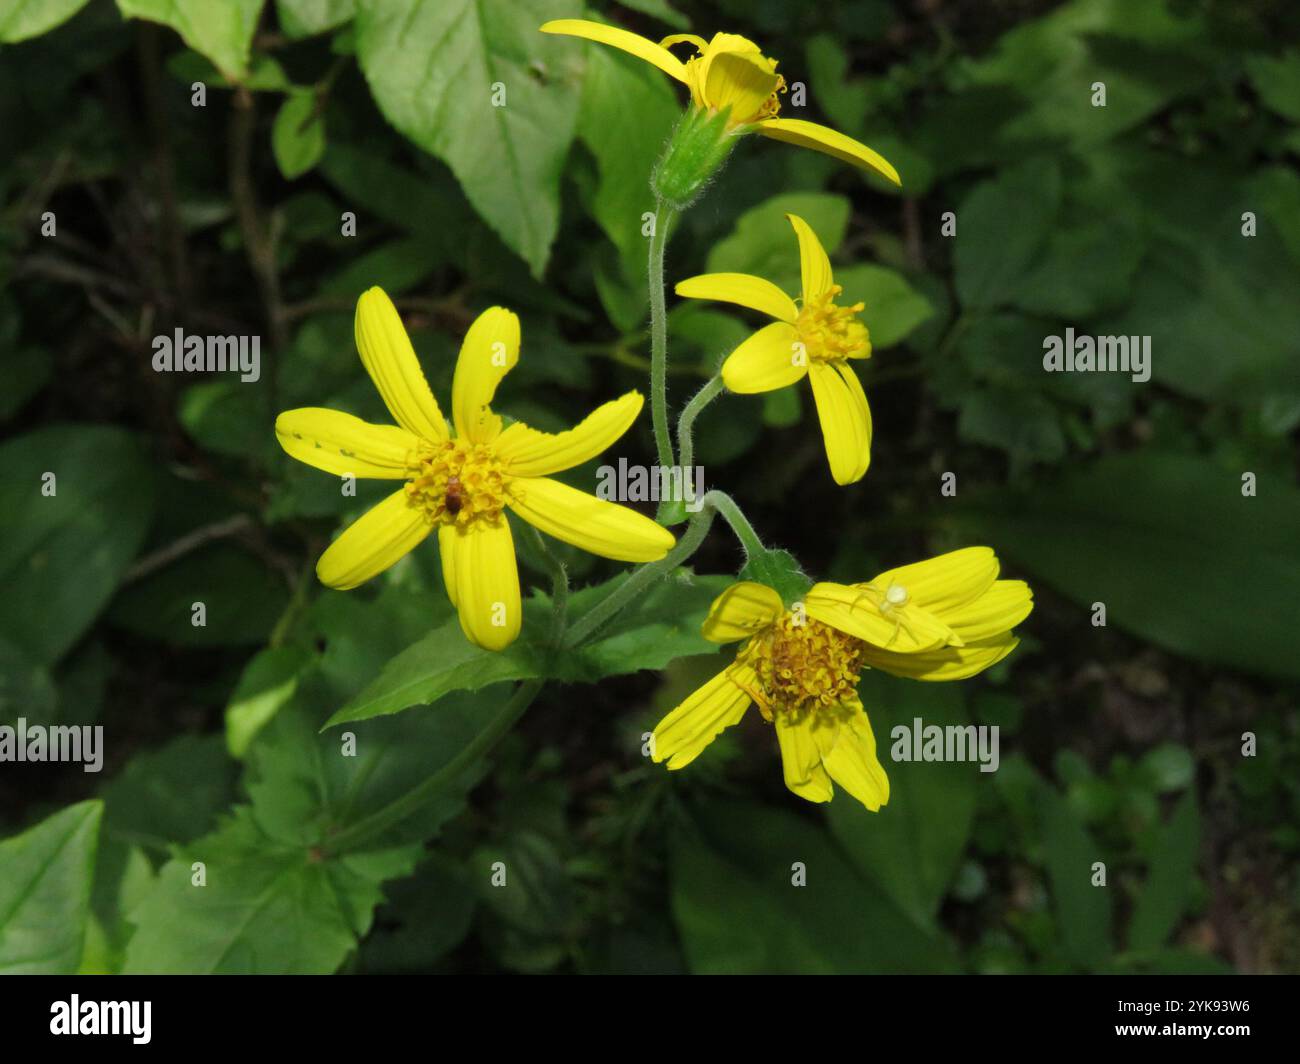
point(1120, 743)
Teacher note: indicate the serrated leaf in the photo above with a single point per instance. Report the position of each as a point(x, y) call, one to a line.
point(45, 881)
point(435, 66)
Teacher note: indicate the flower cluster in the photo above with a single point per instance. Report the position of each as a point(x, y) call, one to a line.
point(800, 654)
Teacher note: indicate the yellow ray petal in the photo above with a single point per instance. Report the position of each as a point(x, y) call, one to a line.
point(853, 611)
point(345, 445)
point(845, 419)
point(741, 81)
point(849, 755)
point(772, 358)
point(943, 583)
point(680, 38)
point(948, 663)
point(740, 611)
point(592, 524)
point(447, 537)
point(489, 351)
point(531, 453)
point(389, 358)
point(487, 585)
point(742, 289)
point(998, 610)
point(682, 735)
point(820, 138)
point(801, 759)
point(628, 42)
point(814, 266)
point(379, 538)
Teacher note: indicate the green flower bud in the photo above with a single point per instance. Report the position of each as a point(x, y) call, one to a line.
point(697, 149)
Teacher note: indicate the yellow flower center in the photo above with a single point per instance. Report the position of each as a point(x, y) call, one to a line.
point(458, 483)
point(828, 331)
point(805, 666)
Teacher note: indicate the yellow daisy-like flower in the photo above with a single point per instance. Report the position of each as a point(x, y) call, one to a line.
point(731, 71)
point(815, 337)
point(942, 619)
point(461, 483)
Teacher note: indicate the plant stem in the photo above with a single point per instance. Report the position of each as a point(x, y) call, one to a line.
point(701, 399)
point(640, 579)
point(663, 219)
point(735, 517)
point(559, 585)
point(373, 826)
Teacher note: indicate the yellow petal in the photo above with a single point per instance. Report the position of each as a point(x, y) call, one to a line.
point(998, 610)
point(487, 585)
point(849, 755)
point(801, 759)
point(814, 266)
point(489, 351)
point(680, 38)
point(682, 735)
point(530, 453)
point(742, 289)
point(945, 582)
point(845, 419)
point(820, 138)
point(379, 538)
point(772, 358)
point(628, 42)
point(594, 525)
point(389, 358)
point(854, 611)
point(740, 611)
point(447, 538)
point(345, 445)
point(741, 81)
point(947, 663)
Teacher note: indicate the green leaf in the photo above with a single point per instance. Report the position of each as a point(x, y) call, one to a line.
point(434, 67)
point(21, 20)
point(306, 18)
point(1164, 541)
point(298, 135)
point(222, 32)
point(913, 845)
point(661, 625)
point(426, 917)
point(764, 244)
point(1001, 226)
point(45, 880)
point(893, 307)
point(739, 912)
point(1171, 877)
point(263, 909)
point(1277, 80)
point(242, 599)
point(779, 570)
point(1082, 910)
point(61, 556)
point(269, 681)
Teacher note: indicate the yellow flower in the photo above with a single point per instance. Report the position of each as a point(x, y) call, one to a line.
point(941, 619)
point(816, 338)
point(461, 483)
point(731, 71)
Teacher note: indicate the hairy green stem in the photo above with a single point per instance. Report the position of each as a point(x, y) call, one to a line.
point(735, 517)
point(663, 219)
point(701, 399)
point(640, 579)
point(373, 826)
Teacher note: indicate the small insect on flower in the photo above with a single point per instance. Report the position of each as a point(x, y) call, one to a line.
point(459, 480)
point(801, 664)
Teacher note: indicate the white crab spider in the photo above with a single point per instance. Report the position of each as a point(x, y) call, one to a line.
point(890, 603)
